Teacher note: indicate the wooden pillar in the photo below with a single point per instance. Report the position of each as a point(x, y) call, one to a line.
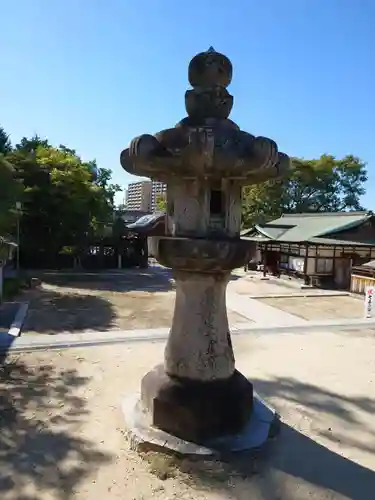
point(306, 277)
point(264, 261)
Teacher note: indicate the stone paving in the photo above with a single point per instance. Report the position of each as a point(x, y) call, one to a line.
point(260, 313)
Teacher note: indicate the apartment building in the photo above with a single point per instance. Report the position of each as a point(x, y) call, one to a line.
point(143, 195)
point(158, 190)
point(139, 196)
point(125, 198)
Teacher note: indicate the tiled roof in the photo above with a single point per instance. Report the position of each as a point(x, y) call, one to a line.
point(305, 227)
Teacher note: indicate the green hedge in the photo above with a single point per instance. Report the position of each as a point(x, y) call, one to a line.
point(12, 287)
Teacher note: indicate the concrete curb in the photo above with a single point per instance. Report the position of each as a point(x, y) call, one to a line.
point(7, 338)
point(307, 327)
point(15, 327)
point(29, 343)
point(299, 295)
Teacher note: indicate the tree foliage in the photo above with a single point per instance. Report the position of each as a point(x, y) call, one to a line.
point(5, 144)
point(103, 180)
point(325, 184)
point(65, 200)
point(161, 203)
point(10, 190)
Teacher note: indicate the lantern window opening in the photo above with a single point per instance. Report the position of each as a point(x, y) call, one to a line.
point(216, 202)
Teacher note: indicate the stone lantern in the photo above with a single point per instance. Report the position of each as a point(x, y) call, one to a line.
point(197, 395)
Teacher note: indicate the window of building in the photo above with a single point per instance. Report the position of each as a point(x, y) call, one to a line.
point(324, 266)
point(284, 258)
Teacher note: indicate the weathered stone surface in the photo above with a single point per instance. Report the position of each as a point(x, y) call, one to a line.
point(206, 145)
point(197, 411)
point(263, 425)
point(197, 395)
point(210, 68)
point(218, 153)
point(200, 255)
point(198, 346)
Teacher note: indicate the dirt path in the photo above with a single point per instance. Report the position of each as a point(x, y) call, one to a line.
point(319, 308)
point(63, 438)
point(57, 308)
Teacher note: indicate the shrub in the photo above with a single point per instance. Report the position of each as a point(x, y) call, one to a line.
point(12, 287)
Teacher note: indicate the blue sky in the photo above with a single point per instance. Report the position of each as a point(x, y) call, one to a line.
point(92, 74)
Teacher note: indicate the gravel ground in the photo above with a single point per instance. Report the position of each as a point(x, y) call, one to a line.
point(319, 308)
point(252, 284)
point(63, 438)
point(56, 308)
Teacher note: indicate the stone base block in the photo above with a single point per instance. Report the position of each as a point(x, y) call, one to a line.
point(196, 411)
point(262, 425)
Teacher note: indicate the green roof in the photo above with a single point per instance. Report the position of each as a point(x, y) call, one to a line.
point(335, 241)
point(307, 227)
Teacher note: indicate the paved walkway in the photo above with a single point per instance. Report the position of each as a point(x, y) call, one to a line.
point(260, 313)
point(252, 309)
point(364, 327)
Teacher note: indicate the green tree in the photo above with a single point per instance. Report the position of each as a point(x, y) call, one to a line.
point(10, 190)
point(5, 144)
point(103, 180)
point(31, 145)
point(161, 203)
point(325, 184)
point(63, 205)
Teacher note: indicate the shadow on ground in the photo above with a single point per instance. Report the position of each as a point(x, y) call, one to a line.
point(6, 342)
point(293, 466)
point(8, 311)
point(51, 312)
point(37, 456)
point(146, 280)
point(313, 401)
point(153, 279)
